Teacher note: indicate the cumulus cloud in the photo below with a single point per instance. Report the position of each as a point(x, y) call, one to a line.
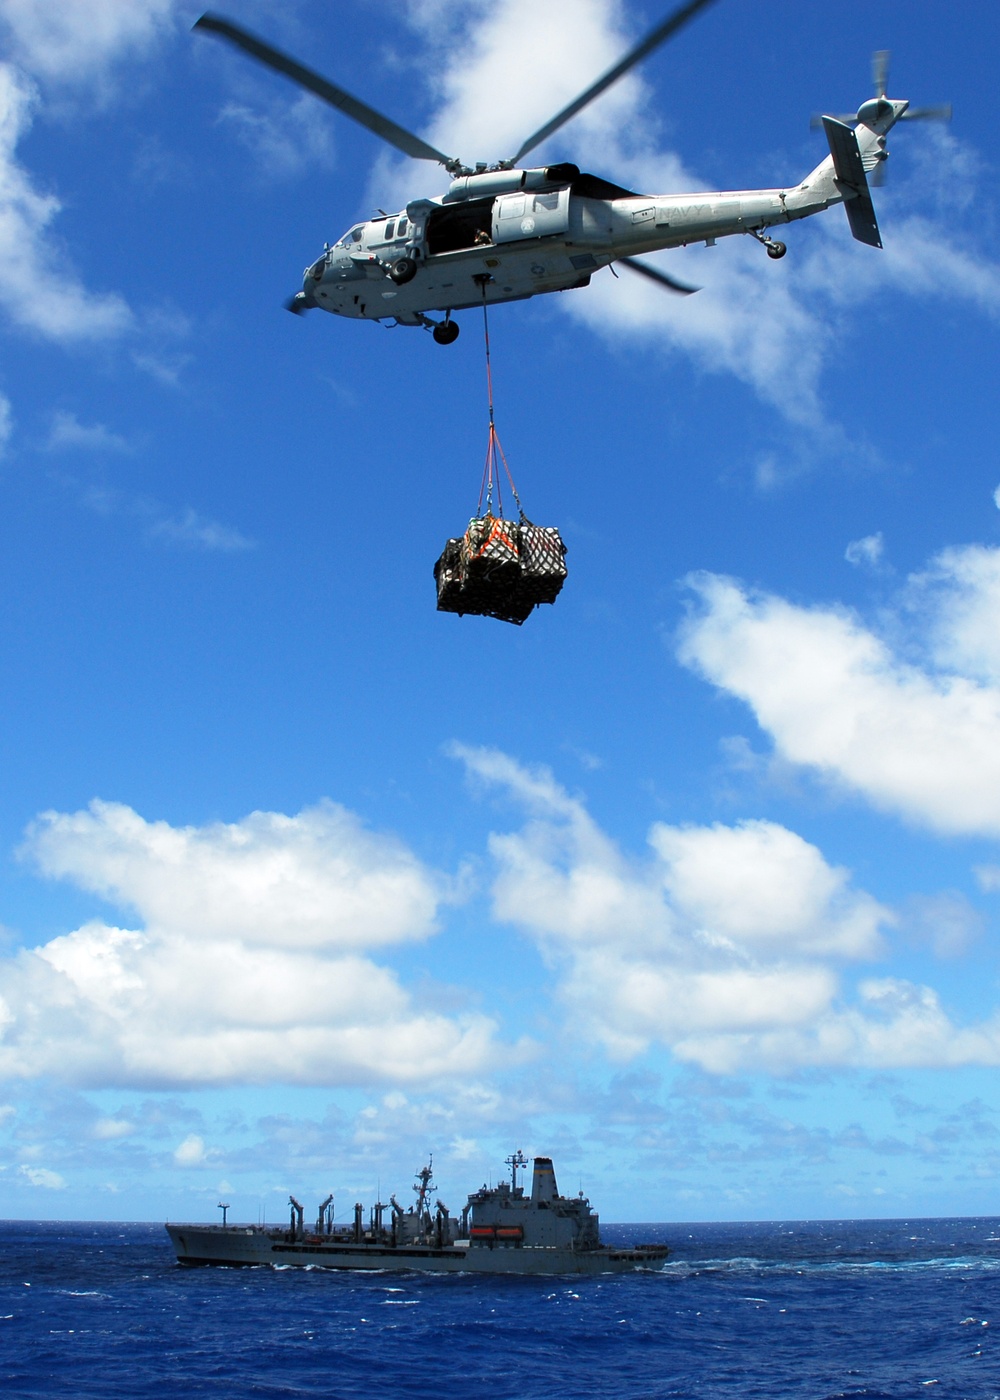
point(74, 42)
point(761, 887)
point(63, 47)
point(56, 307)
point(866, 551)
point(912, 724)
point(956, 598)
point(187, 530)
point(319, 879)
point(43, 1177)
point(731, 945)
point(249, 965)
point(193, 531)
point(68, 432)
point(286, 138)
point(60, 45)
point(947, 921)
point(191, 1152)
point(111, 1129)
point(484, 50)
point(772, 327)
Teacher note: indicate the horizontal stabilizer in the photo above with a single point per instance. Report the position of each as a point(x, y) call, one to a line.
point(852, 182)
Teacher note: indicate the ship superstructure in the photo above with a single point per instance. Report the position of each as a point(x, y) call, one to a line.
point(501, 1229)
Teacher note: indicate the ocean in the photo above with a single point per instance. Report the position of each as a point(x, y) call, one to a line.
point(885, 1310)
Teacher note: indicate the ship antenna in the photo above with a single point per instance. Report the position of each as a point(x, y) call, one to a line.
point(514, 1161)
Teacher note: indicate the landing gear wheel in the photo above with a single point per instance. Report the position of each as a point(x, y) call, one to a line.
point(446, 333)
point(403, 270)
point(776, 250)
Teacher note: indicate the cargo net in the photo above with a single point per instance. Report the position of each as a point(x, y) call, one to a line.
point(500, 567)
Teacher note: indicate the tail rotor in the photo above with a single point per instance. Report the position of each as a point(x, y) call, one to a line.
point(880, 82)
point(880, 71)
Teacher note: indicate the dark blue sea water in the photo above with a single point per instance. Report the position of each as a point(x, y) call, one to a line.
point(893, 1309)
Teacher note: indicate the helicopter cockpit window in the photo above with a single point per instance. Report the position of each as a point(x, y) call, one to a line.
point(390, 230)
point(402, 228)
point(351, 237)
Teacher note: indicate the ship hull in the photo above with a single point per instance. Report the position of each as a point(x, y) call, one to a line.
point(251, 1246)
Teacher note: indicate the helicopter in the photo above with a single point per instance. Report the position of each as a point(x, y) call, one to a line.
point(506, 232)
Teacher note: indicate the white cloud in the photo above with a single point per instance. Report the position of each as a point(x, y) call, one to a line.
point(317, 880)
point(729, 945)
point(916, 731)
point(111, 1129)
point(249, 966)
point(762, 887)
point(958, 598)
point(771, 326)
point(506, 50)
point(291, 136)
point(191, 1152)
point(76, 40)
point(193, 531)
point(55, 306)
point(42, 1177)
point(775, 328)
point(866, 551)
point(748, 889)
point(64, 46)
point(988, 877)
point(947, 921)
point(189, 530)
point(68, 432)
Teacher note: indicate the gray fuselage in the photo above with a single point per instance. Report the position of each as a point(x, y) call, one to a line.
point(533, 235)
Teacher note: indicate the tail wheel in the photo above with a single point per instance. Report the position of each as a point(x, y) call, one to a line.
point(403, 270)
point(776, 250)
point(446, 333)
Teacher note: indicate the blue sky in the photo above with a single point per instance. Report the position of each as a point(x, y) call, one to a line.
point(693, 880)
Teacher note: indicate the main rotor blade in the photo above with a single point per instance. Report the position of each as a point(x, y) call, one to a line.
point(389, 131)
point(880, 71)
point(655, 275)
point(659, 35)
point(920, 114)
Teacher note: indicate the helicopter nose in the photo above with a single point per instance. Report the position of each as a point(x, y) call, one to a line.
point(300, 302)
point(313, 275)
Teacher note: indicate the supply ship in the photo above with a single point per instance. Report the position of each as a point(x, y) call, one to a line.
point(501, 1230)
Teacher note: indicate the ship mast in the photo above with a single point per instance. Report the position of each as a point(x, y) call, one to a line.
point(425, 1185)
point(514, 1161)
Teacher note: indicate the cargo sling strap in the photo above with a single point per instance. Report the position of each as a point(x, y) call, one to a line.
point(499, 568)
point(494, 450)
